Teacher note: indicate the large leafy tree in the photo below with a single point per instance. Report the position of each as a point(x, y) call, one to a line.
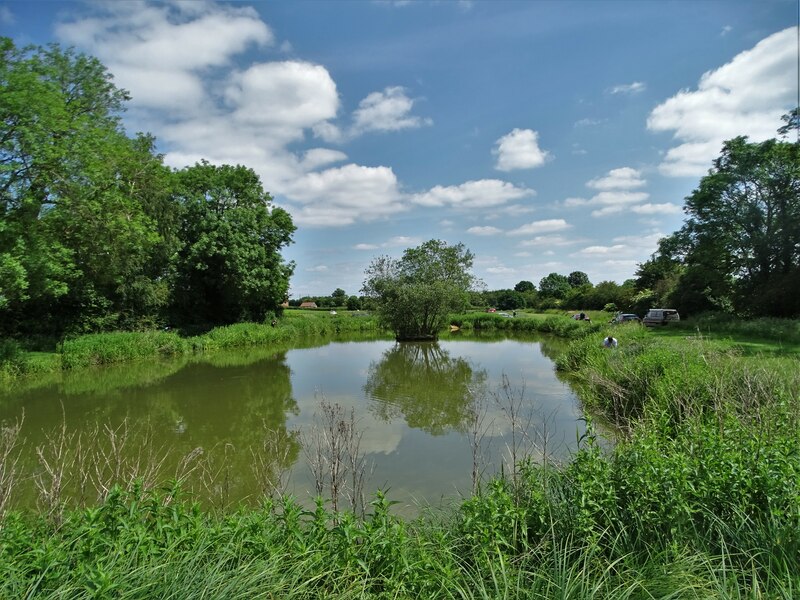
point(578, 278)
point(79, 201)
point(739, 248)
point(554, 285)
point(415, 294)
point(230, 267)
point(525, 286)
point(743, 228)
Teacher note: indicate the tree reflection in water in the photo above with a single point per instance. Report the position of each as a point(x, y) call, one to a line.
point(421, 382)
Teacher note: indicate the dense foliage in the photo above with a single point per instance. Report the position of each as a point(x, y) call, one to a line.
point(739, 249)
point(97, 234)
point(415, 294)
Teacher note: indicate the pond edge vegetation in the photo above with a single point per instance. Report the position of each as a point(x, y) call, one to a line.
point(698, 498)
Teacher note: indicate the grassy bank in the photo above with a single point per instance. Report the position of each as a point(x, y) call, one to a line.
point(118, 347)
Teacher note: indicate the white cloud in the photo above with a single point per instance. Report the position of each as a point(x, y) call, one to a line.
point(746, 96)
point(486, 230)
point(666, 208)
point(589, 250)
point(618, 198)
point(629, 88)
point(543, 226)
point(288, 96)
point(388, 110)
point(319, 157)
point(317, 269)
point(472, 194)
point(623, 178)
point(157, 52)
point(519, 150)
point(623, 250)
point(401, 241)
point(547, 240)
point(344, 195)
point(615, 192)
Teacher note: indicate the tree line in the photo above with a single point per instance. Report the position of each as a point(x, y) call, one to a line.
point(96, 233)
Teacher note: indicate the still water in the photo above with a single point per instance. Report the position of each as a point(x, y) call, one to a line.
point(232, 421)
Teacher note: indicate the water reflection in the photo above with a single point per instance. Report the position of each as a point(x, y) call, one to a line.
point(425, 385)
point(245, 409)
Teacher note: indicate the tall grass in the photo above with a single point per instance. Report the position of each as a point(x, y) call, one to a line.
point(160, 545)
point(765, 328)
point(106, 348)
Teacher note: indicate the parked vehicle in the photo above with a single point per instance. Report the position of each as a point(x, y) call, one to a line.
point(660, 316)
point(626, 318)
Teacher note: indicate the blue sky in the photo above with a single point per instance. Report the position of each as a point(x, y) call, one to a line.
point(545, 136)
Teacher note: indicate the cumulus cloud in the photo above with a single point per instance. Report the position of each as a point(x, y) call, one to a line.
point(546, 225)
point(519, 150)
point(158, 51)
point(623, 178)
point(175, 60)
point(485, 230)
point(344, 195)
point(288, 95)
point(628, 88)
point(616, 192)
point(319, 157)
point(746, 96)
point(472, 194)
point(389, 110)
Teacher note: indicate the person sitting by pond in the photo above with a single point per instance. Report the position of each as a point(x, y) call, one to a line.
point(610, 342)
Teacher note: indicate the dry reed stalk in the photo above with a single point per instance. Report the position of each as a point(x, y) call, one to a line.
point(477, 432)
point(333, 452)
point(270, 460)
point(9, 440)
point(56, 459)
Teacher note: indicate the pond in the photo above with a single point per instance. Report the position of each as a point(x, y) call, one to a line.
point(420, 420)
